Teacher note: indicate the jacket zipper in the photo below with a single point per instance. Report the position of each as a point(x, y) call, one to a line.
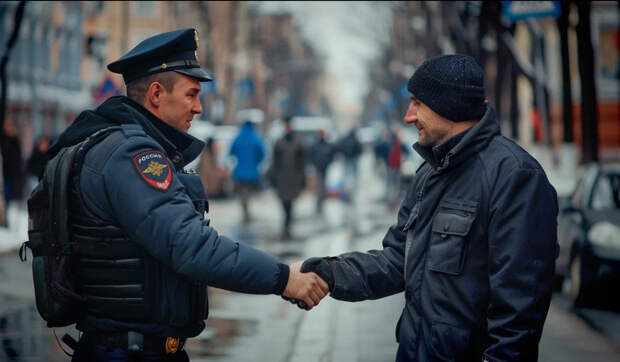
point(412, 219)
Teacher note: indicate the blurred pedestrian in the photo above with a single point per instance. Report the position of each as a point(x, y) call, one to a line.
point(351, 149)
point(382, 150)
point(249, 151)
point(288, 173)
point(37, 161)
point(321, 156)
point(396, 154)
point(474, 245)
point(12, 164)
point(211, 173)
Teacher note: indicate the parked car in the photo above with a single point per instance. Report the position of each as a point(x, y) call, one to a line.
point(589, 235)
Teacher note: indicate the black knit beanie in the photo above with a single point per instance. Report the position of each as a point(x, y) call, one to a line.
point(452, 86)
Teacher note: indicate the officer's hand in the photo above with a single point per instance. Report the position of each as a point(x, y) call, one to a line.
point(306, 287)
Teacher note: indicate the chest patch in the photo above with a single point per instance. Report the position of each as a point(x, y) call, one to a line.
point(154, 168)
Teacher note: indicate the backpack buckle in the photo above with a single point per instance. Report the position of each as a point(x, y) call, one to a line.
point(23, 253)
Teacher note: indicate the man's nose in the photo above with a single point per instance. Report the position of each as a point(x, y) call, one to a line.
point(411, 115)
point(197, 109)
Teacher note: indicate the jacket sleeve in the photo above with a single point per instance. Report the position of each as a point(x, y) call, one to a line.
point(166, 225)
point(375, 274)
point(522, 252)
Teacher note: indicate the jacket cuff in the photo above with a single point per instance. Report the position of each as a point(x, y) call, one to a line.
point(282, 279)
point(321, 267)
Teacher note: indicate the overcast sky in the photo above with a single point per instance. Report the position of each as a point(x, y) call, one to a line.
point(347, 33)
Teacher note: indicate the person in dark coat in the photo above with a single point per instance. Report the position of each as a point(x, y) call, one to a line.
point(321, 156)
point(351, 149)
point(147, 253)
point(36, 162)
point(12, 168)
point(39, 157)
point(289, 173)
point(474, 245)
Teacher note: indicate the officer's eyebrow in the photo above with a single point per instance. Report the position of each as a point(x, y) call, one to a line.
point(197, 90)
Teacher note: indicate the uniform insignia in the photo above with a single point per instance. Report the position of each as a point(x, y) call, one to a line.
point(172, 344)
point(196, 39)
point(154, 168)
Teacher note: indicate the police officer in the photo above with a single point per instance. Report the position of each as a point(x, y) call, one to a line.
point(146, 252)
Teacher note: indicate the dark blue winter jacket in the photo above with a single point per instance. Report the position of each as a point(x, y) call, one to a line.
point(131, 182)
point(473, 249)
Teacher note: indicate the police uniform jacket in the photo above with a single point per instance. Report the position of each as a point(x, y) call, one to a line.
point(473, 249)
point(131, 198)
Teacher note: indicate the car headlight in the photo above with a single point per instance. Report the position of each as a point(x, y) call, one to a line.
point(605, 233)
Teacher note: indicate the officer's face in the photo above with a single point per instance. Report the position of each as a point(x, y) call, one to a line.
point(179, 107)
point(432, 128)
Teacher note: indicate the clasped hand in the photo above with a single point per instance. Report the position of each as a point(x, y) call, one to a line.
point(304, 289)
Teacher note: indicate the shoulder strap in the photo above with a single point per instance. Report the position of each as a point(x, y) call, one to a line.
point(69, 163)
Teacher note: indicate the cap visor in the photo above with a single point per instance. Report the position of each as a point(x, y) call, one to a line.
point(197, 73)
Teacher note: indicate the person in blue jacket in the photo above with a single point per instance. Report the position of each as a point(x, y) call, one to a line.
point(146, 251)
point(475, 243)
point(249, 151)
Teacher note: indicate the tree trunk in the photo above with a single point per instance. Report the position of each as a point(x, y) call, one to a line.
point(585, 52)
point(567, 94)
point(514, 101)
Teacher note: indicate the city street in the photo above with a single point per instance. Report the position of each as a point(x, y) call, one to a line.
point(340, 90)
point(266, 328)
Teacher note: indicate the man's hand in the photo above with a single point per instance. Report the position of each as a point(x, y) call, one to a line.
point(306, 287)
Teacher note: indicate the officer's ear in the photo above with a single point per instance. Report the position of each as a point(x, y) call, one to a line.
point(153, 95)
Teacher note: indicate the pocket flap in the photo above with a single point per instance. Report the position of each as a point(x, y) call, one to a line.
point(452, 224)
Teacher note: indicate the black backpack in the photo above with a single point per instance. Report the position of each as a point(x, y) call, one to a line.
point(53, 249)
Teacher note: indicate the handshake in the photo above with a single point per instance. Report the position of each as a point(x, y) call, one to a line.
point(306, 289)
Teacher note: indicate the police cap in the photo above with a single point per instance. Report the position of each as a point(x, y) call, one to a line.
point(171, 51)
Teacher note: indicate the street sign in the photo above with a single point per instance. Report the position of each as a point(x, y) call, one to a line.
point(520, 10)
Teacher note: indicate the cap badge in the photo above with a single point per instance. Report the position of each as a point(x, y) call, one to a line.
point(196, 39)
point(164, 66)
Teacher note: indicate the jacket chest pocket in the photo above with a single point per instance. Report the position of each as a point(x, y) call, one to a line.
point(450, 227)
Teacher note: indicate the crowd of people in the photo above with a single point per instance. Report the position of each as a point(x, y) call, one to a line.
point(293, 156)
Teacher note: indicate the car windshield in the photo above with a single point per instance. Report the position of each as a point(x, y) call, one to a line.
point(607, 192)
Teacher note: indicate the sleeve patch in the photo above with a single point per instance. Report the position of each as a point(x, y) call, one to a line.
point(154, 168)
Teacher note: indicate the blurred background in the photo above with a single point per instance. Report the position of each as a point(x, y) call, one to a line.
point(552, 74)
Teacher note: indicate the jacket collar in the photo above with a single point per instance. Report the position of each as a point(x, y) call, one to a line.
point(180, 147)
point(463, 145)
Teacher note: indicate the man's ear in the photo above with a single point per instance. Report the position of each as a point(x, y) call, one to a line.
point(153, 95)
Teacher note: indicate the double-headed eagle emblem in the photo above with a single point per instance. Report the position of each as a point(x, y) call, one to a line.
point(155, 168)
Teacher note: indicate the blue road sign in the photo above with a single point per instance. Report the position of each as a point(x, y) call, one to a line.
point(520, 10)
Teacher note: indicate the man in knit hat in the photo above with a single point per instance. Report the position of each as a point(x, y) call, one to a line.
point(474, 245)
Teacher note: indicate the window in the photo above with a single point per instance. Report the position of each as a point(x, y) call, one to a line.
point(147, 9)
